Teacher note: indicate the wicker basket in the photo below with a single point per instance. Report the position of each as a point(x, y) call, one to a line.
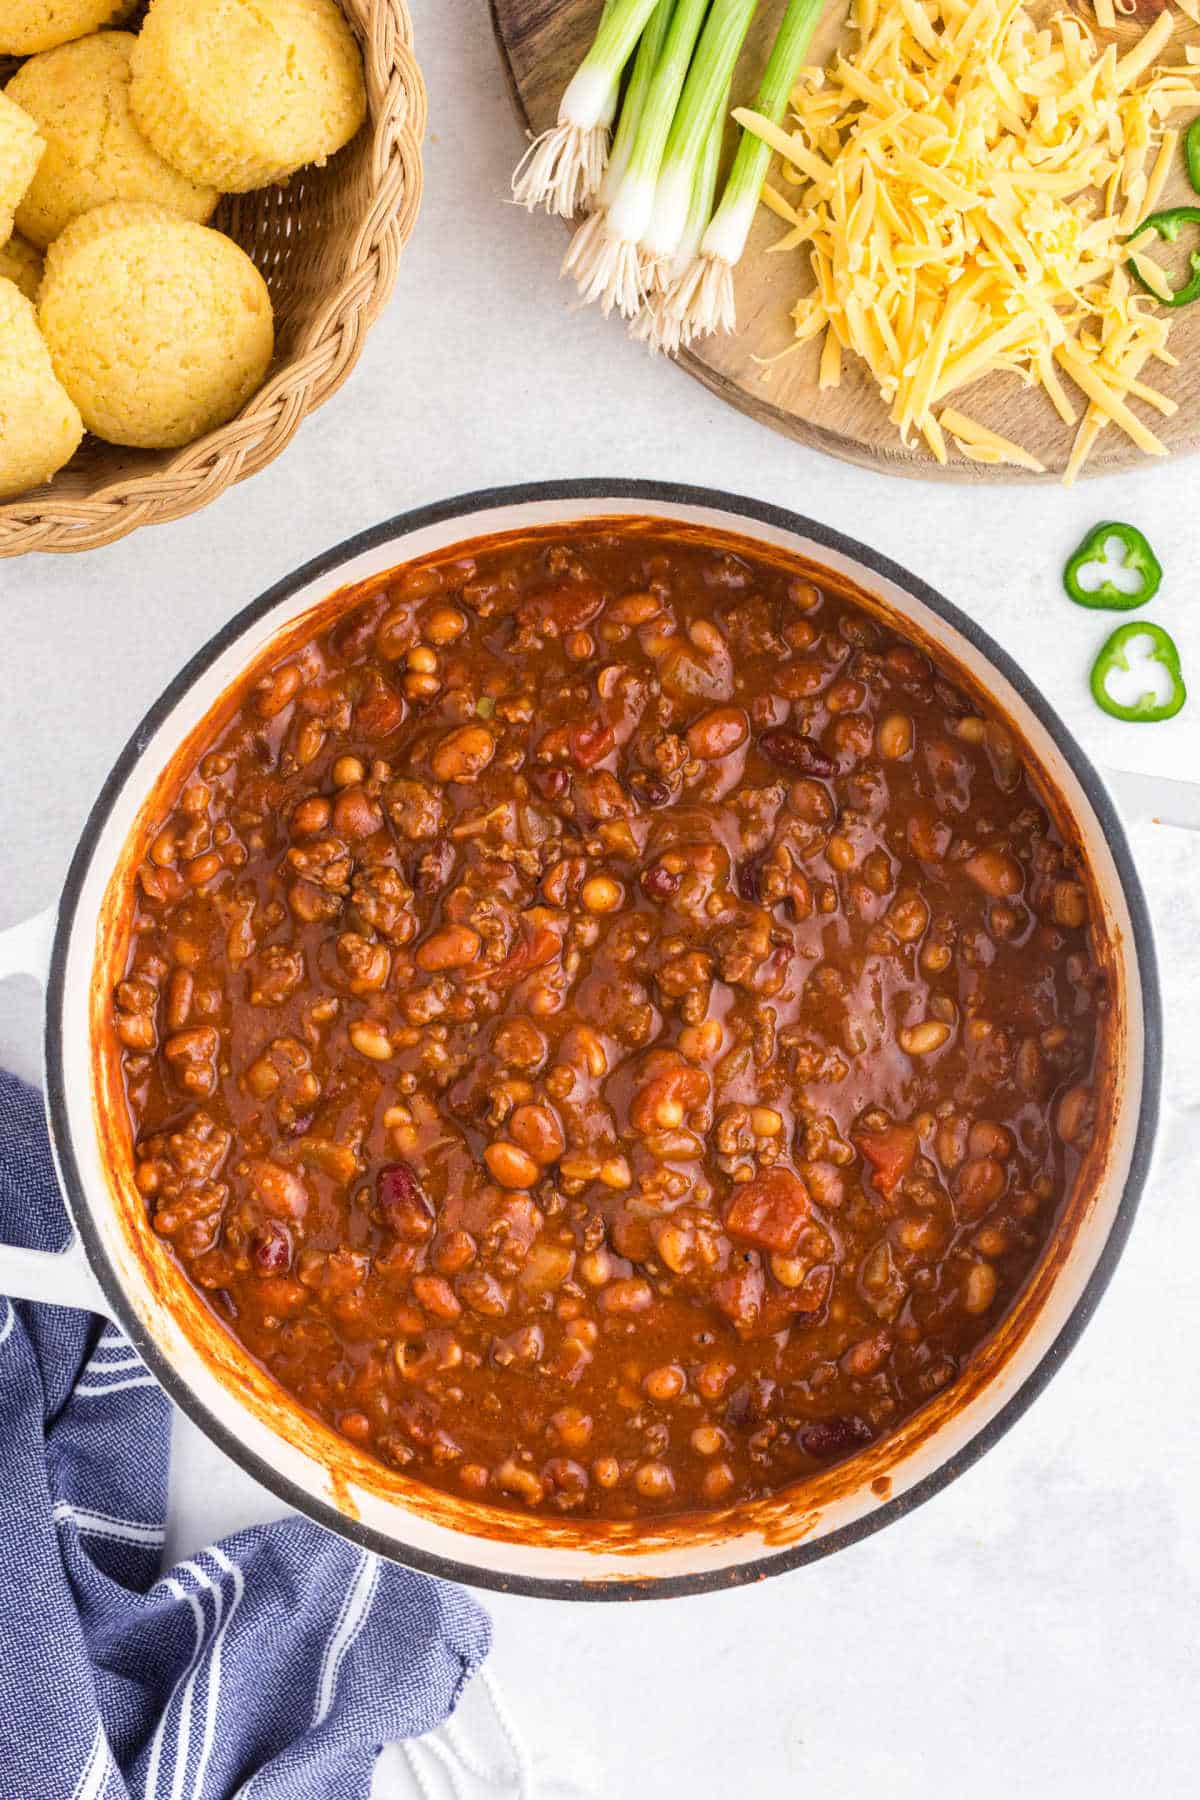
point(329, 245)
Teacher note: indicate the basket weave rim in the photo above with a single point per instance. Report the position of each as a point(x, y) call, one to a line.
point(327, 351)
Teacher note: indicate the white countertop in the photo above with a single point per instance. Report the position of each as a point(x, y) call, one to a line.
point(1035, 1628)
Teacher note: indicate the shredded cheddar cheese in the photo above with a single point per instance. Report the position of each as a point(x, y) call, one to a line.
point(962, 185)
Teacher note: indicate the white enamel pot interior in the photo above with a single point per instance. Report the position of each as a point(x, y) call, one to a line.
point(306, 1465)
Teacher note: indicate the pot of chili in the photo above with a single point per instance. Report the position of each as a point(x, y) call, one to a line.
point(601, 1040)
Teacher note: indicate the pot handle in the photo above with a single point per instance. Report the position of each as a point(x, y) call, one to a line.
point(59, 1277)
point(1161, 800)
point(25, 948)
point(1156, 799)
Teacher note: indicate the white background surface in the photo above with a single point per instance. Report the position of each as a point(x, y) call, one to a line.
point(1035, 1629)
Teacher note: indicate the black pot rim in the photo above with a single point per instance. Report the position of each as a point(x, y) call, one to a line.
point(649, 493)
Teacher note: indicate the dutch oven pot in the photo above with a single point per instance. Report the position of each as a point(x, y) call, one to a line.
point(118, 1266)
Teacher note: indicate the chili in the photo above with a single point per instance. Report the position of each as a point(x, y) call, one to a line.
point(1113, 658)
point(1191, 153)
point(1136, 555)
point(1167, 225)
point(609, 1023)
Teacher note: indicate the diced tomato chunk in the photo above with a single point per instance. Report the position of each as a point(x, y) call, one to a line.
point(785, 1308)
point(740, 1295)
point(770, 1212)
point(591, 743)
point(538, 946)
point(566, 606)
point(672, 1089)
point(891, 1154)
point(380, 709)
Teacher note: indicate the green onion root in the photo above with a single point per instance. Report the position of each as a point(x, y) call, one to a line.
point(562, 170)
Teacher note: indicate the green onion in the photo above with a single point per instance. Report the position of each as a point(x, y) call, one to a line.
point(704, 92)
point(708, 297)
point(562, 170)
point(603, 256)
point(662, 323)
point(636, 94)
point(588, 239)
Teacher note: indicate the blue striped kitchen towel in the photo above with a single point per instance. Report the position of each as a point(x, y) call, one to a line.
point(272, 1665)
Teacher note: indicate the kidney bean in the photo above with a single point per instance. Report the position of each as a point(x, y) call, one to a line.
point(272, 1249)
point(380, 710)
point(979, 1185)
point(792, 749)
point(659, 882)
point(277, 690)
point(835, 1437)
point(750, 877)
point(403, 1206)
point(651, 790)
point(551, 784)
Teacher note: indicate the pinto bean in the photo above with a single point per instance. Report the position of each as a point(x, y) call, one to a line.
point(626, 1297)
point(464, 754)
point(355, 813)
point(511, 1166)
point(996, 873)
point(718, 733)
point(537, 1131)
point(895, 736)
point(279, 1190)
point(925, 1038)
point(453, 947)
point(277, 690)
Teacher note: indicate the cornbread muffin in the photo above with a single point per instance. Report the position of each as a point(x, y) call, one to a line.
point(27, 26)
point(40, 428)
point(21, 262)
point(159, 328)
point(21, 147)
point(240, 93)
point(78, 96)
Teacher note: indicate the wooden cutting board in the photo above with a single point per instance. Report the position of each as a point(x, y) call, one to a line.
point(542, 43)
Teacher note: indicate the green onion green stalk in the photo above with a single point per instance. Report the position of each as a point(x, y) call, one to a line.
point(706, 296)
point(633, 107)
point(704, 96)
point(588, 238)
point(662, 322)
point(604, 256)
point(562, 170)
